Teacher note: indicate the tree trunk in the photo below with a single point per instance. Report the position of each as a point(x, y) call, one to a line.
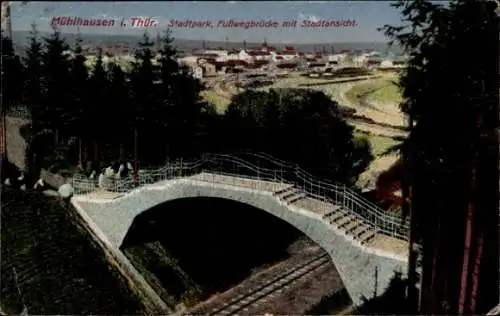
point(96, 152)
point(136, 161)
point(80, 160)
point(475, 273)
point(121, 153)
point(85, 152)
point(466, 257)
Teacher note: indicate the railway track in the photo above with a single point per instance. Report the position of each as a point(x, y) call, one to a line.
point(254, 296)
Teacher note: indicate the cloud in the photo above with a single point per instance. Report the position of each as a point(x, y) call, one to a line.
point(309, 17)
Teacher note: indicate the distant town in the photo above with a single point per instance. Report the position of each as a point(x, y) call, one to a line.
point(264, 58)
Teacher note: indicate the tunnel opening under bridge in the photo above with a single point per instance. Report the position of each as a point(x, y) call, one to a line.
point(192, 248)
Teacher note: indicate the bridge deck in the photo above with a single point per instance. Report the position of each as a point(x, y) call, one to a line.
point(240, 182)
point(102, 194)
point(379, 241)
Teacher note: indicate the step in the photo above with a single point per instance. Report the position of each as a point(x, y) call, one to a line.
point(344, 220)
point(289, 194)
point(352, 225)
point(347, 223)
point(336, 216)
point(335, 209)
point(356, 232)
point(367, 236)
point(283, 190)
point(296, 198)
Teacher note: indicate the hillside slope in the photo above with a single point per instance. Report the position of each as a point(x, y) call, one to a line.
point(59, 269)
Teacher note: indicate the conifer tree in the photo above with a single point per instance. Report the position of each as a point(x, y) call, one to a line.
point(451, 155)
point(121, 107)
point(143, 79)
point(181, 106)
point(12, 74)
point(80, 100)
point(11, 93)
point(57, 93)
point(33, 79)
point(98, 119)
point(33, 99)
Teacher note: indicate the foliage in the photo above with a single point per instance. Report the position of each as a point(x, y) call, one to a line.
point(12, 71)
point(57, 110)
point(33, 77)
point(302, 126)
point(155, 112)
point(451, 155)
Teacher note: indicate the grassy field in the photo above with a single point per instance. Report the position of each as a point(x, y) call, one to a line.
point(382, 90)
point(220, 102)
point(379, 144)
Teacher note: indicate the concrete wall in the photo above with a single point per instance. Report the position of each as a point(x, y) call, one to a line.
point(355, 263)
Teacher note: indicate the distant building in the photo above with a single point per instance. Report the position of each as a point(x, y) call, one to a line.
point(260, 55)
point(218, 53)
point(208, 70)
point(197, 72)
point(336, 57)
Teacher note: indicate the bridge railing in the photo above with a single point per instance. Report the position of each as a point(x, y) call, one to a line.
point(19, 112)
point(389, 223)
point(232, 165)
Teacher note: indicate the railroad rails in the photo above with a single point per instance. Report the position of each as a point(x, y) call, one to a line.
point(258, 294)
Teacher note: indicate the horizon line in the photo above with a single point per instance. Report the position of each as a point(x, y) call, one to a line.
point(221, 40)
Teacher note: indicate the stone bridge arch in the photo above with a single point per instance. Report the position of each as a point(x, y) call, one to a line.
point(357, 265)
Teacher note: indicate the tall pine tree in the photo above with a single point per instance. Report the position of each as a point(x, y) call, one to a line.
point(11, 93)
point(80, 100)
point(33, 80)
point(12, 74)
point(57, 106)
point(121, 106)
point(185, 115)
point(144, 86)
point(451, 154)
point(98, 119)
point(33, 99)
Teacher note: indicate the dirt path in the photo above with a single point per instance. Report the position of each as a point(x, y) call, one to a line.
point(16, 145)
point(376, 129)
point(379, 112)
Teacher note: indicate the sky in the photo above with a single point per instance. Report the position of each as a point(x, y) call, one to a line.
point(368, 15)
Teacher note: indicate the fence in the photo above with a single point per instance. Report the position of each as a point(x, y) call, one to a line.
point(19, 112)
point(262, 167)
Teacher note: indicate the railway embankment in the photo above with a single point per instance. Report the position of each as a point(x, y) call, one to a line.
point(50, 265)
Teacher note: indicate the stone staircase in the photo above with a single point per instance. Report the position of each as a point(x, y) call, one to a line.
point(290, 194)
point(335, 215)
point(350, 224)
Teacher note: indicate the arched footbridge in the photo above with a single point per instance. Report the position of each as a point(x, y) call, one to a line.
point(366, 243)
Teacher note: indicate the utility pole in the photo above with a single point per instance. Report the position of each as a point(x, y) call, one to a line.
point(136, 161)
point(6, 18)
point(414, 249)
